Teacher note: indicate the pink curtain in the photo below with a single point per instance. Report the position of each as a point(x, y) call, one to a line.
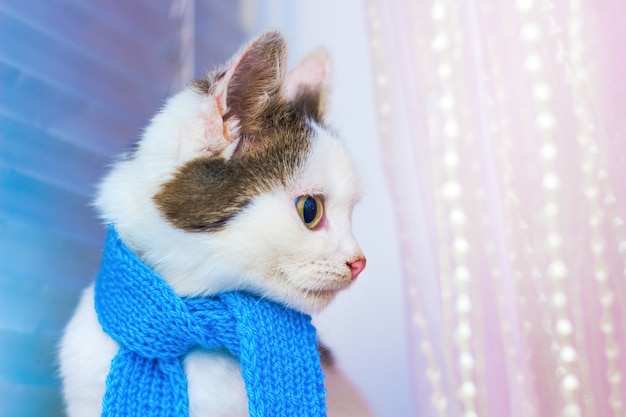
point(503, 126)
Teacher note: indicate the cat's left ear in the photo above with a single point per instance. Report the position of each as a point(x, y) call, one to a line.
point(250, 87)
point(307, 84)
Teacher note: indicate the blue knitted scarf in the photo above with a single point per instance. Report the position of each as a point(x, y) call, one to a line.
point(155, 328)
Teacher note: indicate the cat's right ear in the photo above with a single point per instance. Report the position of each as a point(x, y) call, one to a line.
point(308, 84)
point(250, 86)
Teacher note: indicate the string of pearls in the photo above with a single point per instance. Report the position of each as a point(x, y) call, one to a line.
point(599, 194)
point(515, 325)
point(426, 45)
point(381, 74)
point(559, 320)
point(559, 272)
point(447, 122)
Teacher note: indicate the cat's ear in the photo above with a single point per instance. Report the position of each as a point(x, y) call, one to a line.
point(307, 84)
point(251, 85)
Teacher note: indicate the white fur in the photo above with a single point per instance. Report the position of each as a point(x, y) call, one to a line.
point(265, 249)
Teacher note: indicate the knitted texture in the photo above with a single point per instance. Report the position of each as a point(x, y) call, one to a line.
point(276, 346)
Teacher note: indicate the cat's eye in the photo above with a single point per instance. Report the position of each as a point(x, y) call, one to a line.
point(310, 209)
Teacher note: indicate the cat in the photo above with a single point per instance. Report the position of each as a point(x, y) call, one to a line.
point(236, 184)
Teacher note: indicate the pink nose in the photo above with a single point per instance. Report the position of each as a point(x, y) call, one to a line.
point(356, 267)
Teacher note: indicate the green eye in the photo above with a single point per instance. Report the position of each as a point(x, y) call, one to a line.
point(310, 209)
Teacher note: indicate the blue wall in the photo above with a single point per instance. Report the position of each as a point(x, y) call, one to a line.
point(78, 81)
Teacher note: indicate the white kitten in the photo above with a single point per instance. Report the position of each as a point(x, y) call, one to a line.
point(236, 184)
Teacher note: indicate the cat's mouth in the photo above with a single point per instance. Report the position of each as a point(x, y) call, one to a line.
point(322, 293)
point(315, 291)
point(314, 298)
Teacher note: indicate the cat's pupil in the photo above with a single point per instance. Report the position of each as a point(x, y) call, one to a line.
point(309, 210)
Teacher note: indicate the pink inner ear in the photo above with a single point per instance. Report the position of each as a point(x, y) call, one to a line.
point(231, 126)
point(311, 72)
point(265, 56)
point(221, 87)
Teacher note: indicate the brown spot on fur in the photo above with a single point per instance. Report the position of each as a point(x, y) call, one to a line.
point(202, 85)
point(208, 192)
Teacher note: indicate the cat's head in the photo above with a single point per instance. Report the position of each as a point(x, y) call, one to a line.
point(238, 184)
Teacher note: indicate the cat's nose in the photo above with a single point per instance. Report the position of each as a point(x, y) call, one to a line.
point(356, 267)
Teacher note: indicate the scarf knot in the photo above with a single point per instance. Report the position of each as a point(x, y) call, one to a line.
point(276, 346)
